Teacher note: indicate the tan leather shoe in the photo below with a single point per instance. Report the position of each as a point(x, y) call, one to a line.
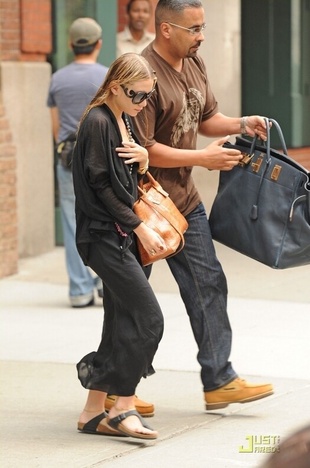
point(237, 391)
point(145, 409)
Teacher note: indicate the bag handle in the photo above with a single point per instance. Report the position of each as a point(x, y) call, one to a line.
point(154, 184)
point(254, 209)
point(268, 142)
point(280, 134)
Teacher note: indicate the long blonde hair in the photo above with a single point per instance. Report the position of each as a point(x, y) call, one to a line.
point(128, 68)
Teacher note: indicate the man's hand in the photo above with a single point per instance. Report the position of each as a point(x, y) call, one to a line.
point(255, 125)
point(218, 158)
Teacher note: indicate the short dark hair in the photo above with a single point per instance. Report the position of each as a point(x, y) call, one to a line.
point(84, 50)
point(170, 8)
point(129, 5)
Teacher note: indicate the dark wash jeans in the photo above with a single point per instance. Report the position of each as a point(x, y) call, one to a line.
point(203, 289)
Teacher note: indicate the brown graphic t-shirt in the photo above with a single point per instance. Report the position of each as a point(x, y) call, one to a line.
point(173, 114)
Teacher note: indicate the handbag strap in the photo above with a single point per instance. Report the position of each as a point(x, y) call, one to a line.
point(254, 209)
point(267, 144)
point(280, 134)
point(153, 183)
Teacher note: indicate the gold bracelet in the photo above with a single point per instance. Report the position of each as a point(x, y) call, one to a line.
point(243, 125)
point(143, 170)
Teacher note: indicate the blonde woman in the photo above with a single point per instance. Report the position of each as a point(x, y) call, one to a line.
point(108, 161)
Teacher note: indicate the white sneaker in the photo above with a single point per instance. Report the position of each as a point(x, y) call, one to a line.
point(84, 300)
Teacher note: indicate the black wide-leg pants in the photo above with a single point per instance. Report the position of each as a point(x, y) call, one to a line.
point(133, 320)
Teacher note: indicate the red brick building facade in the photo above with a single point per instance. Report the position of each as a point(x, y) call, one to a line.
point(25, 35)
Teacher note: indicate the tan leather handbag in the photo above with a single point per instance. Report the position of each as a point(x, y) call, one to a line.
point(156, 209)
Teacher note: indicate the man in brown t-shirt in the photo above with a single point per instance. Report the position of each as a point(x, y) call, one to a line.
point(182, 106)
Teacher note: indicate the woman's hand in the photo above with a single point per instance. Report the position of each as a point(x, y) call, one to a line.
point(133, 153)
point(151, 241)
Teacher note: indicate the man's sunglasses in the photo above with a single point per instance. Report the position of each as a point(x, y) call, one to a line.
point(137, 97)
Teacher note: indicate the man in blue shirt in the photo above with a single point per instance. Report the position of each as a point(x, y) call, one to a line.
point(71, 89)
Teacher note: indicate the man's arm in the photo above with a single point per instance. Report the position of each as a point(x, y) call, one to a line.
point(219, 125)
point(212, 157)
point(55, 123)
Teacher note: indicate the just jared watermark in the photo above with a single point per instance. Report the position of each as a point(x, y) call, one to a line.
point(260, 444)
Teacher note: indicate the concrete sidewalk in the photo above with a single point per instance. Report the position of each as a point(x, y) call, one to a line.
point(42, 339)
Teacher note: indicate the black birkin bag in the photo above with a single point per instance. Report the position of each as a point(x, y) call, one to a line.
point(262, 207)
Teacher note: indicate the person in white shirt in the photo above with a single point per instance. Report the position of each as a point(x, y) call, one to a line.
point(135, 37)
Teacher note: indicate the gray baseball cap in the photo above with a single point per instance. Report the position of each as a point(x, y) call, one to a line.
point(84, 32)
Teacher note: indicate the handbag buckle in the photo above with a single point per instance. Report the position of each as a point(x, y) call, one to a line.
point(256, 165)
point(246, 159)
point(275, 172)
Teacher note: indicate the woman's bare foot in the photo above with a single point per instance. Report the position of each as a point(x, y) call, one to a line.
point(87, 416)
point(93, 407)
point(132, 425)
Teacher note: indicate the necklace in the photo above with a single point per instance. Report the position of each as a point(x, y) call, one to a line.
point(144, 169)
point(130, 138)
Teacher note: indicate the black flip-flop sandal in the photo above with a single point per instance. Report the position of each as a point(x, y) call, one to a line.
point(117, 424)
point(99, 426)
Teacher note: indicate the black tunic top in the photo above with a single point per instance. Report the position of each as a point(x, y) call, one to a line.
point(104, 188)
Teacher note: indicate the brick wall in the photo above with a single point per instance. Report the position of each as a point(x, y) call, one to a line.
point(25, 29)
point(9, 30)
point(25, 35)
point(36, 29)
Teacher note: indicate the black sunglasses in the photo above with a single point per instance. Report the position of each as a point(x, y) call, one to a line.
point(137, 97)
